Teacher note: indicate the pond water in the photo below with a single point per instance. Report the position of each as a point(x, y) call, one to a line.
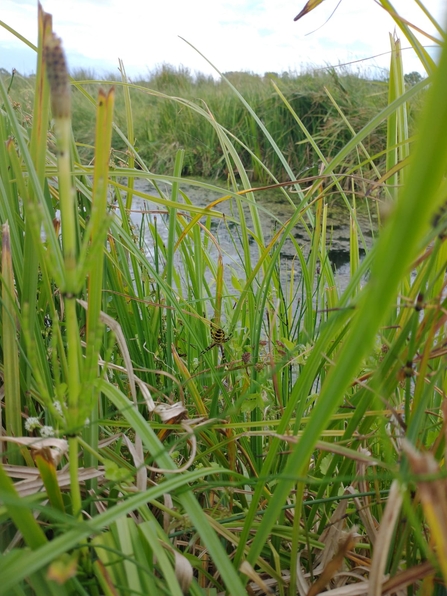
point(275, 209)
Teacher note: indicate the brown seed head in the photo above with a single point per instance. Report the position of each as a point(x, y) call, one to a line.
point(246, 357)
point(57, 73)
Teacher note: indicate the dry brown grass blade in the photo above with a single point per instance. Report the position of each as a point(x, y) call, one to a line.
point(301, 581)
point(334, 565)
point(384, 537)
point(121, 340)
point(433, 496)
point(255, 577)
point(407, 577)
point(136, 451)
point(57, 448)
point(363, 504)
point(357, 589)
point(183, 571)
point(364, 511)
point(331, 536)
point(362, 456)
point(32, 483)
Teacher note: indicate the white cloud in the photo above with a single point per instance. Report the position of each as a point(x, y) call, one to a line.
point(253, 35)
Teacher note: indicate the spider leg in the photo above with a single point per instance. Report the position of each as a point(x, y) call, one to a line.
point(213, 345)
point(222, 351)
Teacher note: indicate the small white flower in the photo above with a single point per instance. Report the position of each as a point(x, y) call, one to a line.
point(47, 431)
point(31, 423)
point(58, 407)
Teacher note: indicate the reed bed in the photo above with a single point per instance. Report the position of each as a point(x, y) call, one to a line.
point(181, 420)
point(162, 125)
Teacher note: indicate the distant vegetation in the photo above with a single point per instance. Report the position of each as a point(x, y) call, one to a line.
point(163, 125)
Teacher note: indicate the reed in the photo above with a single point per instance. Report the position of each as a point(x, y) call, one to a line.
point(156, 115)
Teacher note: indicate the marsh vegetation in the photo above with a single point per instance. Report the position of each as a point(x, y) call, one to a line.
point(179, 415)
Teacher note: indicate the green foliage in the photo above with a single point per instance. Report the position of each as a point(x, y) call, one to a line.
point(162, 125)
point(220, 415)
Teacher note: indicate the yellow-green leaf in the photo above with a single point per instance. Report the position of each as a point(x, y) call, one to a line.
point(45, 463)
point(310, 5)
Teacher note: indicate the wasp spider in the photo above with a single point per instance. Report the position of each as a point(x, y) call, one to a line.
point(218, 337)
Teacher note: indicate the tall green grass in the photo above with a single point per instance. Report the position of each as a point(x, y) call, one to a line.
point(219, 426)
point(162, 125)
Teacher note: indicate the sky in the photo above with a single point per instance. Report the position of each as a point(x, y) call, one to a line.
point(233, 35)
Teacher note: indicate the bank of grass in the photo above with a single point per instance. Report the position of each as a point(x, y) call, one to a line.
point(220, 428)
point(163, 125)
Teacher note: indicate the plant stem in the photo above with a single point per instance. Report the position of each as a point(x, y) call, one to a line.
point(61, 108)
